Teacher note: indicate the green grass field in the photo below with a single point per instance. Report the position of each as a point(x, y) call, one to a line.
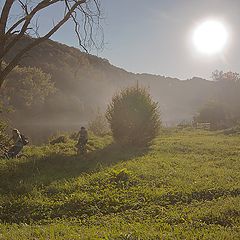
point(185, 186)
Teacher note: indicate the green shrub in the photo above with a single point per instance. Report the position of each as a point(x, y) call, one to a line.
point(133, 117)
point(4, 138)
point(99, 125)
point(120, 175)
point(59, 139)
point(213, 113)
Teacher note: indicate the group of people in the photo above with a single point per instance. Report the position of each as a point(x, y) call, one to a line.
point(19, 141)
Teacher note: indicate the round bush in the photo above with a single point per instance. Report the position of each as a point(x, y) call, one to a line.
point(133, 117)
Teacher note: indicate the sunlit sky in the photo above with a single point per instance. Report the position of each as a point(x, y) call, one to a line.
point(155, 36)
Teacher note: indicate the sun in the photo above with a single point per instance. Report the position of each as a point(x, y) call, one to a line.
point(210, 37)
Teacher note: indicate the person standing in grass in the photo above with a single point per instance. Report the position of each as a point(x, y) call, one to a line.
point(83, 139)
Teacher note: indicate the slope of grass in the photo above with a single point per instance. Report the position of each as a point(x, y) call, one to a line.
point(185, 186)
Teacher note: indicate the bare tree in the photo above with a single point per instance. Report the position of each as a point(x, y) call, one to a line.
point(21, 18)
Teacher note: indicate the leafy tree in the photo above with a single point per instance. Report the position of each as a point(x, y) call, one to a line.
point(213, 113)
point(133, 117)
point(228, 92)
point(27, 87)
point(27, 21)
point(225, 76)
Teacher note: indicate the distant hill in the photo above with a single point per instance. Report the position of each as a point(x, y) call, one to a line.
point(86, 83)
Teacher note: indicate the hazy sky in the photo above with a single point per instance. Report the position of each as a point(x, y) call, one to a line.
point(154, 36)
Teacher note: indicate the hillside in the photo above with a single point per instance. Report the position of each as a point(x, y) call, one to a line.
point(86, 83)
point(186, 186)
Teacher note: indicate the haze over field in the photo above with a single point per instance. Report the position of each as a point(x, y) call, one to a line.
point(85, 84)
point(119, 119)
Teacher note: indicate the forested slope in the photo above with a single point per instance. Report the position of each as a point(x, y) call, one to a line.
point(85, 83)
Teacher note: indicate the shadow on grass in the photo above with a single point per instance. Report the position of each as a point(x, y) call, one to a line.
point(21, 178)
point(41, 172)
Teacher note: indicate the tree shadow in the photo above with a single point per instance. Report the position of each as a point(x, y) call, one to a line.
point(20, 178)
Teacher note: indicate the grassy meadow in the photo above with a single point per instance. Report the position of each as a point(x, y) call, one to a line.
point(186, 185)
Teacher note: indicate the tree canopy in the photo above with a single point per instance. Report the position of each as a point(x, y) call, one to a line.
point(27, 87)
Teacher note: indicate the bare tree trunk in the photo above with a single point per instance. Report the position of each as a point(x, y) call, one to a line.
point(3, 22)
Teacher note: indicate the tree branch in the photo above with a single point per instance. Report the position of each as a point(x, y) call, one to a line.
point(37, 41)
point(89, 15)
point(43, 4)
point(4, 16)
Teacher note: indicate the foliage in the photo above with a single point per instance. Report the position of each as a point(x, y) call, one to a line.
point(225, 76)
point(4, 138)
point(185, 187)
point(99, 125)
point(121, 175)
point(58, 139)
point(27, 87)
point(228, 92)
point(224, 111)
point(213, 113)
point(133, 117)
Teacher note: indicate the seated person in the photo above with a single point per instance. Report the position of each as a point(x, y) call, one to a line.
point(17, 144)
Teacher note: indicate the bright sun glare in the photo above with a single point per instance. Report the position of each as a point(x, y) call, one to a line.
point(210, 37)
